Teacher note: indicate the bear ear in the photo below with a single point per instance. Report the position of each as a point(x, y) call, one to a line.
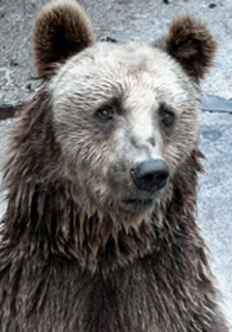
point(192, 45)
point(62, 29)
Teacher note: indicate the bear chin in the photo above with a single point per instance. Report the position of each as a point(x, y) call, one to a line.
point(142, 202)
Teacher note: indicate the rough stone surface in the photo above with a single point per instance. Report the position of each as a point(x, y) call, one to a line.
point(215, 197)
point(5, 127)
point(135, 19)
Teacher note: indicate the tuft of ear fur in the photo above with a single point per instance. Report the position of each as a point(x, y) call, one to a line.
point(62, 29)
point(191, 44)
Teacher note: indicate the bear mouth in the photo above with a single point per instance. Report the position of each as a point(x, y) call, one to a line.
point(137, 204)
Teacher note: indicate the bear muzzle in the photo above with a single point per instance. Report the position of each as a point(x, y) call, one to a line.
point(149, 177)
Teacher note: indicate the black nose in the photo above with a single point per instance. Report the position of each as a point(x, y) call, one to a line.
point(150, 175)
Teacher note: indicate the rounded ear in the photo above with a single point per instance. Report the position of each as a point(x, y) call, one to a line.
point(62, 29)
point(192, 45)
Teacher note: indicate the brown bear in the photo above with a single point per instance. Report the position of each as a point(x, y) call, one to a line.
point(100, 231)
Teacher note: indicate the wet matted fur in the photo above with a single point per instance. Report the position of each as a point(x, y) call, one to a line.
point(81, 248)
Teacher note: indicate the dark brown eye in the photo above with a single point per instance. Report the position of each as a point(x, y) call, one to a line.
point(167, 117)
point(106, 113)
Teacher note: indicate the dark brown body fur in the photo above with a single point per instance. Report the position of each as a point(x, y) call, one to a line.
point(63, 271)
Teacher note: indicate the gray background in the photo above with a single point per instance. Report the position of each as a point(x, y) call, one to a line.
point(147, 20)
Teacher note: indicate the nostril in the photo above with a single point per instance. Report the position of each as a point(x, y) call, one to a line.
point(162, 179)
point(163, 176)
point(150, 175)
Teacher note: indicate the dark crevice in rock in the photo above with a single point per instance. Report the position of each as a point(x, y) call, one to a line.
point(8, 110)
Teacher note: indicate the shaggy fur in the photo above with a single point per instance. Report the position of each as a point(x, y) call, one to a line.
point(75, 255)
point(62, 29)
point(191, 44)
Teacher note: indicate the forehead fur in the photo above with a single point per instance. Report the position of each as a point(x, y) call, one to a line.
point(105, 70)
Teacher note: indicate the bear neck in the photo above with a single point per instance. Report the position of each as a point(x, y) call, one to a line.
point(44, 219)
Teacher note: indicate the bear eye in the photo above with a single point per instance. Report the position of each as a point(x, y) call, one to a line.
point(167, 117)
point(106, 113)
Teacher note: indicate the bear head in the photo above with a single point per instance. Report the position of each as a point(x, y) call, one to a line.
point(124, 115)
point(114, 130)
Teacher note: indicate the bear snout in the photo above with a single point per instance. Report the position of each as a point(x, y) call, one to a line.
point(150, 175)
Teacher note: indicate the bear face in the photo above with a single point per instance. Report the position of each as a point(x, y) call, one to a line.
point(119, 106)
point(123, 109)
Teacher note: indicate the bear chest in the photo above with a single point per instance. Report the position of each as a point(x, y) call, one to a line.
point(149, 295)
